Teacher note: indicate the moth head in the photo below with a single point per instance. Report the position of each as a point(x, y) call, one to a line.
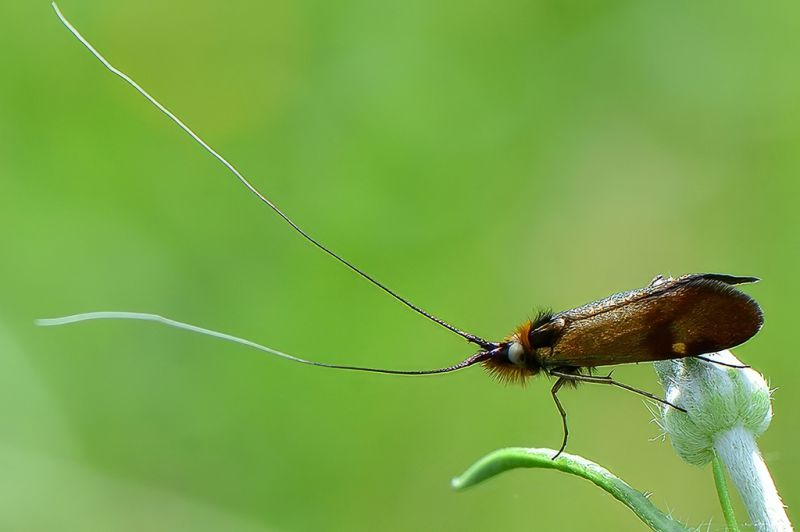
point(516, 361)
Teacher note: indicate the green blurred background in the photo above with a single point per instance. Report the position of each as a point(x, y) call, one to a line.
point(482, 158)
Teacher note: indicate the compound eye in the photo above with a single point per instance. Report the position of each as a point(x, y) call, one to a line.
point(516, 354)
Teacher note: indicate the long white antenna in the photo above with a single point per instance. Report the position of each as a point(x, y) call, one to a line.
point(470, 337)
point(75, 318)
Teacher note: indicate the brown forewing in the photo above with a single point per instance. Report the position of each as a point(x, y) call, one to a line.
point(674, 318)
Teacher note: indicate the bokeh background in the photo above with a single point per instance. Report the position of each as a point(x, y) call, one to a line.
point(485, 159)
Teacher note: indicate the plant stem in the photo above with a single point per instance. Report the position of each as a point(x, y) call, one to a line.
point(724, 496)
point(737, 449)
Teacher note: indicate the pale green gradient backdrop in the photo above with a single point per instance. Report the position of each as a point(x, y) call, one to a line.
point(482, 158)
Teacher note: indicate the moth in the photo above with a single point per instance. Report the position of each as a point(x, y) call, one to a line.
point(688, 316)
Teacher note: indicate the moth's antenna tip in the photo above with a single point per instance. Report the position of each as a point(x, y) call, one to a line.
point(50, 322)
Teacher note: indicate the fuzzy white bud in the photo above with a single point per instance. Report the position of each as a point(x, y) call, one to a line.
point(726, 410)
point(717, 399)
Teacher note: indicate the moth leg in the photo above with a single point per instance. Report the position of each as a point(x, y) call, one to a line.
point(704, 359)
point(608, 380)
point(554, 390)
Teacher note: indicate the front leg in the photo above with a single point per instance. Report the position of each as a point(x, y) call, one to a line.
point(557, 386)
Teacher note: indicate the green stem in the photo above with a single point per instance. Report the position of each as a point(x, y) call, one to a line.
point(504, 459)
point(724, 496)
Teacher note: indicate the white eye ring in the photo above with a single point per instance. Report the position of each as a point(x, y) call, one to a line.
point(516, 354)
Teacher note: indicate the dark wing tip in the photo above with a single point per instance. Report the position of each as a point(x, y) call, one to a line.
point(724, 278)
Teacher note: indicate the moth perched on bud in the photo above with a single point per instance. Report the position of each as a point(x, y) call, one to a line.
point(669, 318)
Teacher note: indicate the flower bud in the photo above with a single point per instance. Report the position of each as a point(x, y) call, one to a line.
point(716, 399)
